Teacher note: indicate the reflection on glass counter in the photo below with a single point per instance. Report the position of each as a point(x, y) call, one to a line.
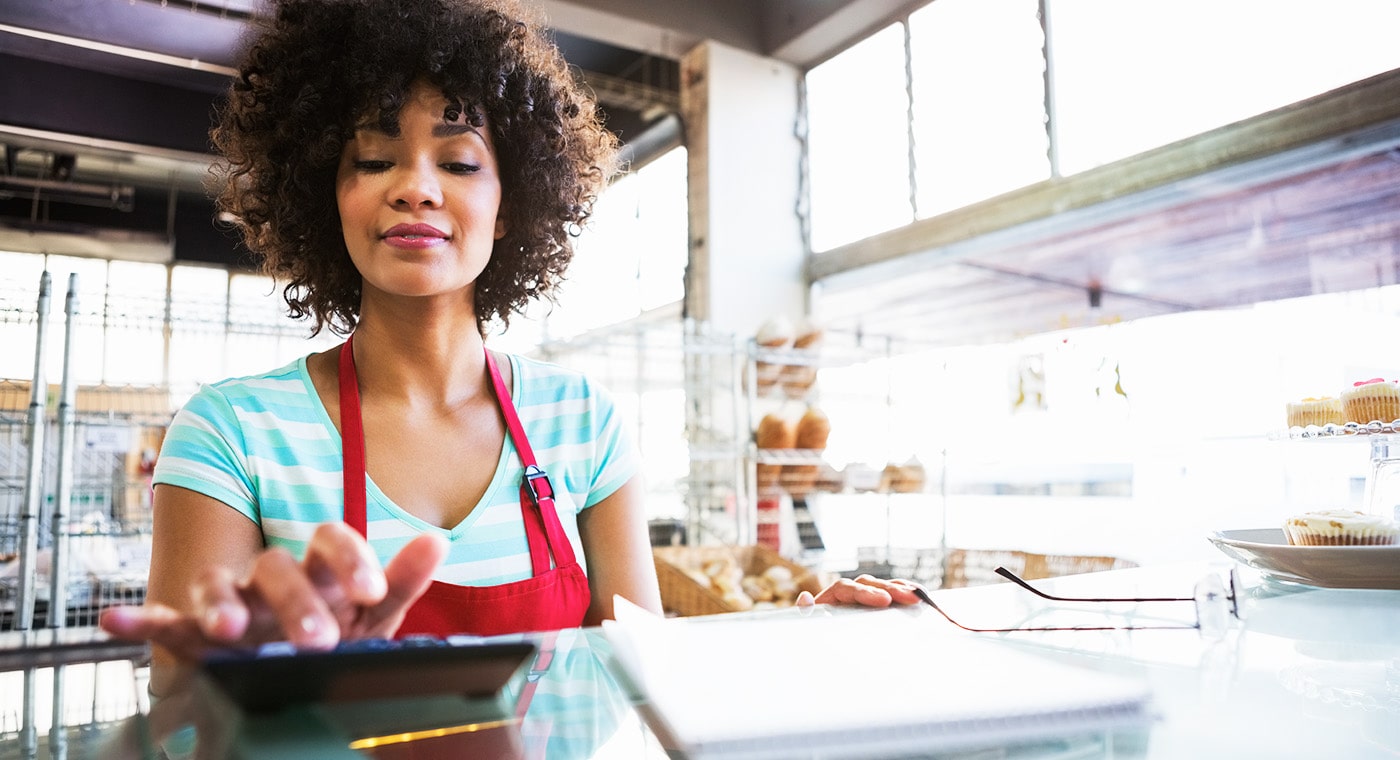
point(559, 701)
point(1302, 672)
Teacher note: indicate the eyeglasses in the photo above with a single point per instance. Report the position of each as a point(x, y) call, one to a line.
point(1215, 605)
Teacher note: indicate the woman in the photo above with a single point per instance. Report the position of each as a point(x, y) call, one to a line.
point(414, 171)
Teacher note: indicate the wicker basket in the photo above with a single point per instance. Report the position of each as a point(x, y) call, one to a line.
point(682, 594)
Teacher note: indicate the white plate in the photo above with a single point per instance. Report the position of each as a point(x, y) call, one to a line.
point(1266, 550)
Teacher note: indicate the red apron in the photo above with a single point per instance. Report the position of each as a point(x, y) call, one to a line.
point(553, 599)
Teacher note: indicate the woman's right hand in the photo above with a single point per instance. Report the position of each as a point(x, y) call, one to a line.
point(337, 591)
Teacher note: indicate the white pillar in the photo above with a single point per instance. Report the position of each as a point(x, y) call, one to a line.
point(746, 244)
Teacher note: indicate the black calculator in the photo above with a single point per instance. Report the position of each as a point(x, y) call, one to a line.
point(276, 676)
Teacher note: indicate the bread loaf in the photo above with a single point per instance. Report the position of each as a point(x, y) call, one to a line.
point(774, 432)
point(813, 429)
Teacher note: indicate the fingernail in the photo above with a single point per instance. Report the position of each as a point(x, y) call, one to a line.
point(311, 626)
point(367, 582)
point(212, 617)
point(223, 614)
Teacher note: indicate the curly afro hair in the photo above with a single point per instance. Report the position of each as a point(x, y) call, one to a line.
point(319, 68)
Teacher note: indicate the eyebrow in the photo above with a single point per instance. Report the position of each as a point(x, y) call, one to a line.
point(439, 130)
point(452, 130)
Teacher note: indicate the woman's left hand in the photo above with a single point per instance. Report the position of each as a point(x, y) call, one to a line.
point(865, 590)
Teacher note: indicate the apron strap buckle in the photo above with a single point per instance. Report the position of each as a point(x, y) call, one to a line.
point(544, 490)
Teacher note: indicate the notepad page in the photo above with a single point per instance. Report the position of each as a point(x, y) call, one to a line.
point(729, 686)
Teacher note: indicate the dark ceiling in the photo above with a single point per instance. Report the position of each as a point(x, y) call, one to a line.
point(125, 88)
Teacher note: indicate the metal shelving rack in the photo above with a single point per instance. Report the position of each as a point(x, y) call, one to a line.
point(73, 502)
point(664, 353)
point(835, 351)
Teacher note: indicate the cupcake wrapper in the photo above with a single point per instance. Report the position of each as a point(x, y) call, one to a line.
point(1300, 537)
point(1372, 409)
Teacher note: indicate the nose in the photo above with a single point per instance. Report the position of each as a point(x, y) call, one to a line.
point(416, 186)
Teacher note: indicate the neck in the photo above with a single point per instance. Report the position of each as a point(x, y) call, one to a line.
point(424, 365)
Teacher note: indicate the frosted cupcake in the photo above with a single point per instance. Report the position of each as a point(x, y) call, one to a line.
point(1374, 400)
point(1316, 411)
point(1340, 527)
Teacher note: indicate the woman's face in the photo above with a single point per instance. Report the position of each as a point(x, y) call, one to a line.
point(421, 211)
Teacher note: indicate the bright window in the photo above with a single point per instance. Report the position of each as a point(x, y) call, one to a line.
point(631, 257)
point(1127, 75)
point(858, 141)
point(979, 117)
point(1131, 76)
point(219, 324)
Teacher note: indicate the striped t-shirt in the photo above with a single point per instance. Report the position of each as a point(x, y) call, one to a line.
point(265, 446)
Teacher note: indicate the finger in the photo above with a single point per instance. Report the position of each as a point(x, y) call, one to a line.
point(847, 591)
point(280, 582)
point(901, 591)
point(340, 562)
point(218, 606)
point(161, 625)
point(407, 576)
point(805, 599)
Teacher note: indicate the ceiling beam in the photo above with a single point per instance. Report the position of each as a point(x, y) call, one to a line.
point(807, 32)
point(800, 32)
point(665, 28)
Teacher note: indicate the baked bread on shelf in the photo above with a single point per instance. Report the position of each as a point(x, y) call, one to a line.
point(775, 432)
point(812, 431)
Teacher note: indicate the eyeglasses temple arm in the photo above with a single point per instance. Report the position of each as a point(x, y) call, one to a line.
point(926, 599)
point(1007, 574)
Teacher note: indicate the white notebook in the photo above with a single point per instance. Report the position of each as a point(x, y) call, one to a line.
point(866, 684)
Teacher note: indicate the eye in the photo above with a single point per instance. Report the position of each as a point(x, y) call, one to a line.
point(457, 167)
point(371, 166)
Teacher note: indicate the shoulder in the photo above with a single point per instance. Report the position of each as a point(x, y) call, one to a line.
point(282, 389)
point(289, 378)
point(540, 381)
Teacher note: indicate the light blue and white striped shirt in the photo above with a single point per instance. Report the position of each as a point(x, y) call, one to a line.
point(265, 446)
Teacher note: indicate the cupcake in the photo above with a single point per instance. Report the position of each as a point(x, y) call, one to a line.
point(1316, 411)
point(1340, 527)
point(1374, 400)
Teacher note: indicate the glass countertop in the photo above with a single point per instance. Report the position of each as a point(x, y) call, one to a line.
point(1308, 672)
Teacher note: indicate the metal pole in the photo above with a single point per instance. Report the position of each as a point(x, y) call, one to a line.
point(28, 734)
point(34, 477)
point(33, 503)
point(58, 728)
point(62, 501)
point(63, 491)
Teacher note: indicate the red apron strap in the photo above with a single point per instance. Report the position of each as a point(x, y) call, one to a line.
point(536, 491)
point(542, 528)
point(352, 441)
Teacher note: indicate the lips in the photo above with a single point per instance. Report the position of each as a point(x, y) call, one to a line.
point(412, 232)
